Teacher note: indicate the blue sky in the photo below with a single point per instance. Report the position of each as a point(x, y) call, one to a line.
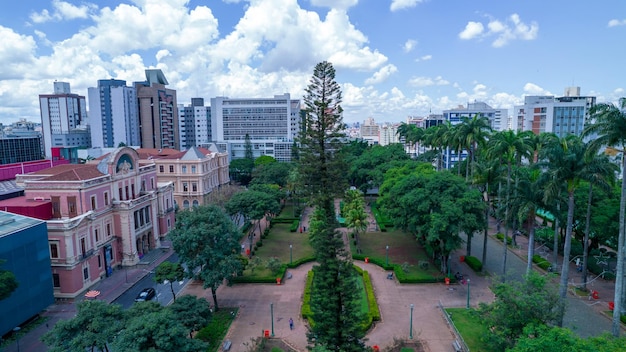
point(394, 58)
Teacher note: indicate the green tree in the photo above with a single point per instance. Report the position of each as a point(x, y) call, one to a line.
point(95, 325)
point(473, 133)
point(8, 282)
point(156, 331)
point(354, 210)
point(519, 304)
point(241, 170)
point(271, 173)
point(207, 241)
point(264, 160)
point(553, 339)
point(608, 128)
point(334, 304)
point(509, 148)
point(435, 207)
point(170, 272)
point(192, 312)
point(254, 205)
point(368, 169)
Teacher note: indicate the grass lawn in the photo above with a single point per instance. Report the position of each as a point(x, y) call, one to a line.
point(470, 327)
point(365, 308)
point(403, 248)
point(278, 241)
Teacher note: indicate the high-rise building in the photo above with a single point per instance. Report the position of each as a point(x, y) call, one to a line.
point(63, 118)
point(498, 118)
point(158, 112)
point(370, 130)
point(388, 134)
point(195, 124)
point(560, 115)
point(271, 123)
point(113, 115)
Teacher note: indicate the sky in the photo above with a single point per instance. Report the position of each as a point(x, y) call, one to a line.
point(393, 58)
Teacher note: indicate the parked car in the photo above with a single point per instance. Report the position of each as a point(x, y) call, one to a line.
point(145, 295)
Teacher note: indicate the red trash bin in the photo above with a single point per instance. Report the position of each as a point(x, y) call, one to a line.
point(462, 258)
point(367, 259)
point(447, 281)
point(277, 281)
point(611, 305)
point(595, 294)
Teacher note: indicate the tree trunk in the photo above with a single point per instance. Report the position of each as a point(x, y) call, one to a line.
point(566, 250)
point(586, 238)
point(486, 231)
point(214, 294)
point(172, 289)
point(555, 251)
point(531, 241)
point(619, 275)
point(506, 221)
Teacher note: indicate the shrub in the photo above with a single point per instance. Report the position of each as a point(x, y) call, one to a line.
point(474, 263)
point(259, 244)
point(294, 226)
point(274, 265)
point(296, 263)
point(541, 262)
point(216, 330)
point(371, 298)
point(306, 311)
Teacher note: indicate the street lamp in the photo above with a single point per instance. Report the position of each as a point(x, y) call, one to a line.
point(387, 261)
point(290, 254)
point(411, 323)
point(468, 293)
point(272, 316)
point(16, 330)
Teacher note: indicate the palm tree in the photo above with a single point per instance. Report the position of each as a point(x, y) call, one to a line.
point(508, 147)
point(485, 174)
point(565, 163)
point(609, 129)
point(473, 133)
point(527, 199)
point(412, 134)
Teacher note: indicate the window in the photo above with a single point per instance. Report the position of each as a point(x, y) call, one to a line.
point(97, 234)
point(54, 250)
point(86, 273)
point(56, 280)
point(193, 169)
point(171, 168)
point(169, 223)
point(127, 194)
point(56, 207)
point(99, 261)
point(161, 169)
point(185, 204)
point(132, 190)
point(83, 246)
point(185, 187)
point(147, 210)
point(194, 187)
point(184, 169)
point(151, 182)
point(108, 230)
point(71, 206)
point(93, 202)
point(121, 194)
point(195, 203)
point(143, 185)
point(106, 198)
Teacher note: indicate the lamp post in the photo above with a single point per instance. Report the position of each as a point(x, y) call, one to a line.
point(272, 316)
point(17, 337)
point(468, 293)
point(387, 258)
point(290, 254)
point(411, 323)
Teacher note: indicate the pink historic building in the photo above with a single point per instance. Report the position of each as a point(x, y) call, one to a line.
point(102, 215)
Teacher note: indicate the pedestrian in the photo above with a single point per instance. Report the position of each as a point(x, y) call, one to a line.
point(305, 229)
point(290, 324)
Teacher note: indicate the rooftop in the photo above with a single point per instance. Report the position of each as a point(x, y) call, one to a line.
point(11, 223)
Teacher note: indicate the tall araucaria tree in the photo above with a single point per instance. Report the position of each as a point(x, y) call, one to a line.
point(334, 303)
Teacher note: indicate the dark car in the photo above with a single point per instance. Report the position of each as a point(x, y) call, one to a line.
point(145, 295)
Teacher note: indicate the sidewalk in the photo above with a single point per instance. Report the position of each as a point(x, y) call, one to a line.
point(110, 289)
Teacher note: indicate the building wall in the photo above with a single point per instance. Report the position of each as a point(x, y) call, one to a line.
point(17, 150)
point(26, 254)
point(158, 116)
point(113, 114)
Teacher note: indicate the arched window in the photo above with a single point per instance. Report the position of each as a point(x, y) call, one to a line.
point(195, 203)
point(186, 204)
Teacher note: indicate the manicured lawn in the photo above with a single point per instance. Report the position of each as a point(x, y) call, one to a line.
point(470, 327)
point(403, 248)
point(363, 295)
point(278, 241)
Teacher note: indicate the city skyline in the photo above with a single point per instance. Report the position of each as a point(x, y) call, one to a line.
point(393, 58)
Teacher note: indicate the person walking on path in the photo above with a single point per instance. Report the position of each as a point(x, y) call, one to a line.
point(290, 324)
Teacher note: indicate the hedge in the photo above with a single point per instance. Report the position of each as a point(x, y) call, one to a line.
point(296, 263)
point(261, 280)
point(398, 272)
point(306, 311)
point(283, 220)
point(371, 297)
point(294, 226)
point(541, 262)
point(474, 263)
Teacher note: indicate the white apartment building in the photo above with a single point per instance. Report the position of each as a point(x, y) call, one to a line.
point(114, 117)
point(389, 134)
point(195, 124)
point(63, 113)
point(559, 115)
point(271, 123)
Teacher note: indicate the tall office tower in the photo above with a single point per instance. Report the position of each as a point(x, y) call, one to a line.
point(195, 124)
point(113, 114)
point(370, 130)
point(158, 112)
point(63, 119)
point(271, 123)
point(389, 134)
point(561, 115)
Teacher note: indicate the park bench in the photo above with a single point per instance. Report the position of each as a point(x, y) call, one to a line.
point(390, 276)
point(457, 346)
point(226, 346)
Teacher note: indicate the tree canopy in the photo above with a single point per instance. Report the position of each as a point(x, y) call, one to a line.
point(207, 241)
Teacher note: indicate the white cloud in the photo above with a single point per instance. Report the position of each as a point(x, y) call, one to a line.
point(63, 11)
point(335, 4)
point(533, 89)
point(382, 74)
point(403, 4)
point(16, 53)
point(427, 81)
point(424, 58)
point(409, 45)
point(615, 23)
point(472, 30)
point(504, 31)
